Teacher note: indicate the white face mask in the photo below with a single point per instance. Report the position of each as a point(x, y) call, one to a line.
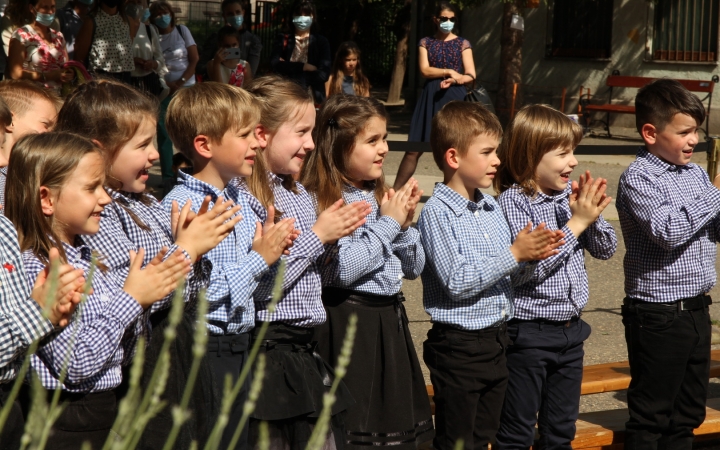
point(447, 26)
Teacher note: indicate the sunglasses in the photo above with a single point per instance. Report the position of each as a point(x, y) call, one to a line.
point(445, 19)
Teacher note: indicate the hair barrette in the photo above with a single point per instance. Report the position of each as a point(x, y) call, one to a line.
point(332, 122)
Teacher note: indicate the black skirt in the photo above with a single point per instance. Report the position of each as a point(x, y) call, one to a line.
point(201, 403)
point(384, 376)
point(431, 101)
point(296, 378)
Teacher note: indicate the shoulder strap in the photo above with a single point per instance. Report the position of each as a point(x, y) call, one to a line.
point(182, 33)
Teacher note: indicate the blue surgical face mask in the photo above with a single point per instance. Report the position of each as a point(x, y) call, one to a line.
point(302, 23)
point(146, 15)
point(447, 26)
point(163, 21)
point(44, 19)
point(236, 21)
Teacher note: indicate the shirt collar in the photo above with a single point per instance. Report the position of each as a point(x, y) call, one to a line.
point(457, 203)
point(204, 188)
point(3, 170)
point(79, 251)
point(655, 165)
point(557, 196)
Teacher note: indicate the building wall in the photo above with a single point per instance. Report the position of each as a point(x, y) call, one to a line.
point(482, 25)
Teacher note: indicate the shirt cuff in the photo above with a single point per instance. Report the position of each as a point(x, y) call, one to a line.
point(386, 226)
point(124, 308)
point(255, 264)
point(309, 245)
point(506, 262)
point(570, 239)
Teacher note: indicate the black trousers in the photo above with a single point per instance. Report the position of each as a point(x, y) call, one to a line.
point(11, 435)
point(669, 354)
point(227, 355)
point(545, 366)
point(469, 376)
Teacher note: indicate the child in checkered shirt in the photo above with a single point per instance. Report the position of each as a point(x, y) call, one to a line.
point(362, 274)
point(545, 360)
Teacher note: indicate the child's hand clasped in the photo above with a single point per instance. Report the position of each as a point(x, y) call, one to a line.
point(401, 205)
point(158, 279)
point(339, 221)
point(199, 233)
point(68, 291)
point(533, 245)
point(272, 240)
point(587, 202)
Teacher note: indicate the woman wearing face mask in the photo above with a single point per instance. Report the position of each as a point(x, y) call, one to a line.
point(71, 19)
point(38, 52)
point(446, 62)
point(302, 55)
point(233, 13)
point(104, 44)
point(181, 57)
point(148, 56)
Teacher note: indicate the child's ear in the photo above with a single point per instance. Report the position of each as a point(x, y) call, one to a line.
point(261, 135)
point(203, 146)
point(649, 133)
point(97, 144)
point(47, 201)
point(452, 159)
point(11, 127)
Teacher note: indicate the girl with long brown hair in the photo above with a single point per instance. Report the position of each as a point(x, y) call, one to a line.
point(55, 199)
point(347, 76)
point(362, 275)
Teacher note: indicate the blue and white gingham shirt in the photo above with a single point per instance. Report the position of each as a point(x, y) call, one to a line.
point(301, 304)
point(21, 318)
point(119, 234)
point(377, 256)
point(236, 268)
point(468, 263)
point(558, 290)
point(103, 331)
point(669, 221)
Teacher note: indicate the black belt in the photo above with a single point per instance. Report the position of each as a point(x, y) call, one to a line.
point(556, 323)
point(283, 337)
point(489, 330)
point(684, 304)
point(334, 296)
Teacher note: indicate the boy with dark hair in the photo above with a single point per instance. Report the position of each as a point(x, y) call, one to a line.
point(668, 212)
point(466, 280)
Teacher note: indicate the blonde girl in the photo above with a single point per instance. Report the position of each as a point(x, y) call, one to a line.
point(285, 130)
point(545, 362)
point(347, 76)
point(55, 199)
point(362, 275)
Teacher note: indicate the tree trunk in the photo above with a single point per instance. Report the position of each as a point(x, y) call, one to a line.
point(511, 41)
point(401, 53)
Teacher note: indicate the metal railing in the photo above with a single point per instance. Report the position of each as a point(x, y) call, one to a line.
point(686, 30)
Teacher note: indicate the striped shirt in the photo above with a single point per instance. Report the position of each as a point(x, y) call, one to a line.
point(101, 332)
point(377, 256)
point(466, 280)
point(301, 303)
point(236, 267)
point(559, 289)
point(21, 318)
point(669, 221)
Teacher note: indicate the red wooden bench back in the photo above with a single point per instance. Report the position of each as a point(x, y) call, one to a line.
point(638, 82)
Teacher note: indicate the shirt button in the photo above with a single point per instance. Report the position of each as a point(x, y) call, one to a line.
point(503, 312)
point(477, 213)
point(486, 235)
point(400, 275)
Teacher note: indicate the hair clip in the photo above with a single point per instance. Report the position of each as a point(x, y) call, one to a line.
point(332, 122)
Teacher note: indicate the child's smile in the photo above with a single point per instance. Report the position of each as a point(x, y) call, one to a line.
point(554, 170)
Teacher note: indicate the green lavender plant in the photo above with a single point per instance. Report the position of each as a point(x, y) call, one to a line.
point(181, 413)
point(230, 394)
point(319, 434)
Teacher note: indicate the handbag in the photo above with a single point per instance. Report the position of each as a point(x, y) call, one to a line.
point(479, 95)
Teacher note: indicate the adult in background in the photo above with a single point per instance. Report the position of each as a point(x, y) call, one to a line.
point(37, 52)
point(302, 55)
point(233, 13)
point(446, 61)
point(181, 57)
point(71, 19)
point(149, 61)
point(104, 44)
point(15, 15)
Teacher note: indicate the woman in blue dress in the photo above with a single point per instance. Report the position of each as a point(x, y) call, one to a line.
point(446, 61)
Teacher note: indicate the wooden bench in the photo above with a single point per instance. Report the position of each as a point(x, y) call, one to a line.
point(604, 429)
point(585, 108)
